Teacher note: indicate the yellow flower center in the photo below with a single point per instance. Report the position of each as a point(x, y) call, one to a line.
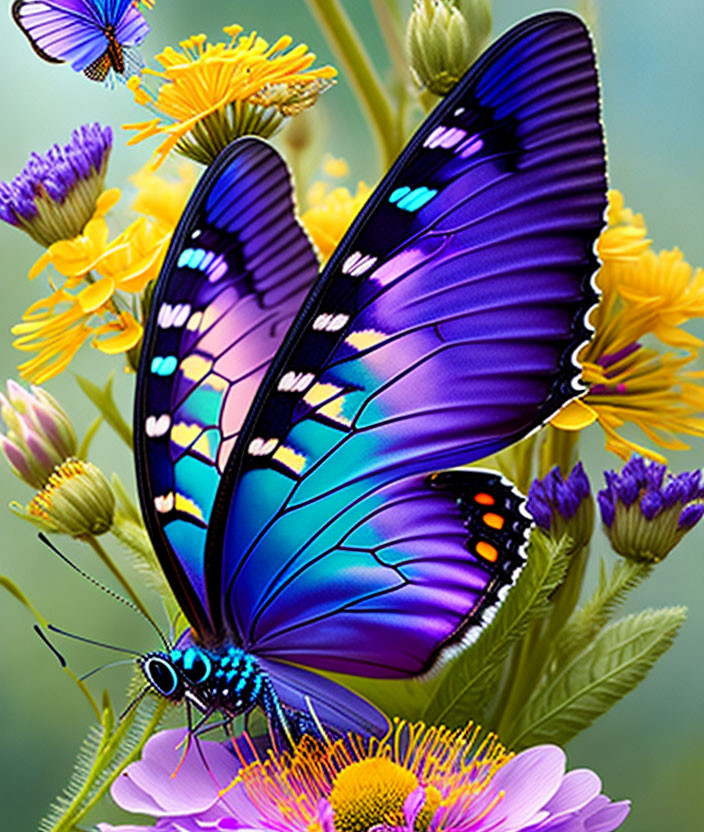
point(373, 792)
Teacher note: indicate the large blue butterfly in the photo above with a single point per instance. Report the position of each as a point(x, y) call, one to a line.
point(95, 36)
point(285, 437)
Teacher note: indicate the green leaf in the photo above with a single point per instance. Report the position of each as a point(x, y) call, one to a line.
point(89, 437)
point(469, 682)
point(105, 402)
point(594, 614)
point(579, 692)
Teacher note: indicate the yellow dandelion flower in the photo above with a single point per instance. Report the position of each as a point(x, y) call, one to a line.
point(209, 94)
point(330, 214)
point(644, 296)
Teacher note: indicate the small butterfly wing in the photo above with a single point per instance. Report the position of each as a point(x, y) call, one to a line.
point(236, 272)
point(75, 30)
point(130, 26)
point(442, 330)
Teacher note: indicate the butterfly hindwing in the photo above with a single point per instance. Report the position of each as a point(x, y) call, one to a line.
point(237, 270)
point(421, 562)
point(442, 330)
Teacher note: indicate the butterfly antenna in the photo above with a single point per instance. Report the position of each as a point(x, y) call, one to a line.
point(135, 701)
point(42, 635)
point(88, 641)
point(44, 539)
point(103, 667)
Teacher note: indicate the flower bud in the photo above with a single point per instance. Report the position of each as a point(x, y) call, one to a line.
point(39, 434)
point(56, 193)
point(563, 505)
point(77, 500)
point(645, 517)
point(444, 37)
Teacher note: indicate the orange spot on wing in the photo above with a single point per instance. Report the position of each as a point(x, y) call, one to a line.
point(496, 521)
point(487, 551)
point(484, 499)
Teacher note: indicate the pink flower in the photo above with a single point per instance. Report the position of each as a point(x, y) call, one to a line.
point(417, 779)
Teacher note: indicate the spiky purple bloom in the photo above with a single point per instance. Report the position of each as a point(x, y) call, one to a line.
point(55, 194)
point(532, 792)
point(645, 514)
point(563, 504)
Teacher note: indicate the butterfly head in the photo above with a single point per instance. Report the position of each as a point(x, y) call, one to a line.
point(179, 674)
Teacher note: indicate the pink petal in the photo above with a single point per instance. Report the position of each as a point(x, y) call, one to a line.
point(605, 815)
point(578, 788)
point(193, 790)
point(528, 782)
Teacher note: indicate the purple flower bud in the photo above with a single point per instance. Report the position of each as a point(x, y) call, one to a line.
point(691, 515)
point(563, 505)
point(606, 507)
point(54, 177)
point(645, 515)
point(627, 489)
point(39, 434)
point(651, 504)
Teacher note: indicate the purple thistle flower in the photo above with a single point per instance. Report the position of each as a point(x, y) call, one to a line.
point(386, 790)
point(55, 194)
point(563, 504)
point(645, 514)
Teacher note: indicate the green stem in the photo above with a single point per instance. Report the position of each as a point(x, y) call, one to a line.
point(76, 812)
point(346, 43)
point(390, 28)
point(97, 547)
point(559, 448)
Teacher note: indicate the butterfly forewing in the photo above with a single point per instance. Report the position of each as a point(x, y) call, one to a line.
point(442, 330)
point(237, 270)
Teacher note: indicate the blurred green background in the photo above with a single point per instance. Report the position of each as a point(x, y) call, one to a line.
point(651, 746)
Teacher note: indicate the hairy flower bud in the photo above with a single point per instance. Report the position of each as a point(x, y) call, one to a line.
point(444, 37)
point(563, 505)
point(39, 434)
point(646, 516)
point(77, 500)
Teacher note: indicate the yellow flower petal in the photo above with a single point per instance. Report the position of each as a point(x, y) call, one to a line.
point(201, 79)
point(574, 416)
point(94, 296)
point(127, 333)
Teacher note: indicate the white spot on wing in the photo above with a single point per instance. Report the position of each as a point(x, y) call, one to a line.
point(157, 425)
point(164, 503)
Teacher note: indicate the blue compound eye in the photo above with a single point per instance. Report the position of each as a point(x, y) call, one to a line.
point(196, 666)
point(161, 675)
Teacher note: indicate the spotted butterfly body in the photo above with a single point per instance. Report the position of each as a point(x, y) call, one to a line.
point(288, 424)
point(96, 37)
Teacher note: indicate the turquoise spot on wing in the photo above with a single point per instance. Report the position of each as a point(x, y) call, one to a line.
point(164, 365)
point(196, 257)
point(416, 198)
point(202, 406)
point(197, 482)
point(188, 541)
point(399, 193)
point(184, 257)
